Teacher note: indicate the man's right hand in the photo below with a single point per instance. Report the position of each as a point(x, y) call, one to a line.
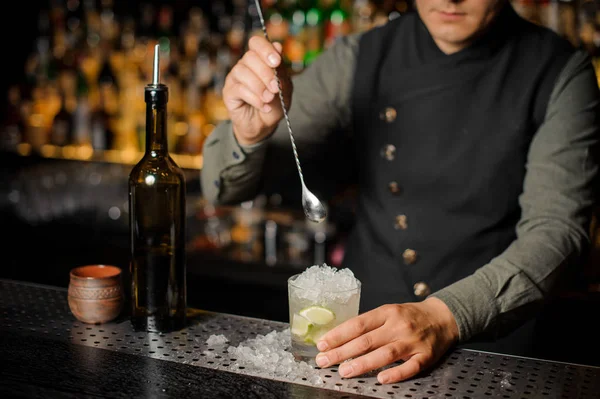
point(251, 94)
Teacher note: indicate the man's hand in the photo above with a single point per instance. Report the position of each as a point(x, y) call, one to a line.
point(417, 333)
point(251, 93)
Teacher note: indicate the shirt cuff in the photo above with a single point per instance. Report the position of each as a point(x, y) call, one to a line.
point(472, 303)
point(230, 152)
point(233, 152)
point(251, 148)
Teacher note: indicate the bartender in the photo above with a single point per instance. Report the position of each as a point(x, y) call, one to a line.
point(475, 134)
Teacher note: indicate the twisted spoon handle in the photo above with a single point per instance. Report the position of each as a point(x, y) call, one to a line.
point(285, 114)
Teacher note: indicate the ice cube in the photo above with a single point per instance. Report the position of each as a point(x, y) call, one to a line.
point(214, 340)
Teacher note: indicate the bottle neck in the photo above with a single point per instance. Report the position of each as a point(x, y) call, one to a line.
point(156, 97)
point(156, 128)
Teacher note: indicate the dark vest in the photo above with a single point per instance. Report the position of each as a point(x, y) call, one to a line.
point(441, 145)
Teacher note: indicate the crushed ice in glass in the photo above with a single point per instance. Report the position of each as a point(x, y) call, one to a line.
point(320, 282)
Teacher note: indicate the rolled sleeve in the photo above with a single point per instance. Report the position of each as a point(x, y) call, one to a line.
point(225, 160)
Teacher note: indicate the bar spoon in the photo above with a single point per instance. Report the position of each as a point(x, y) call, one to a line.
point(313, 208)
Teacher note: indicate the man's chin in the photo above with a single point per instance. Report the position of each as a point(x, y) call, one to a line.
point(453, 38)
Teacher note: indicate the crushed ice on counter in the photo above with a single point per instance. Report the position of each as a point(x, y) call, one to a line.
point(271, 354)
point(216, 340)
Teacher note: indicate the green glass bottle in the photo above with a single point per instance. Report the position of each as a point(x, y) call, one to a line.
point(337, 24)
point(157, 224)
point(314, 32)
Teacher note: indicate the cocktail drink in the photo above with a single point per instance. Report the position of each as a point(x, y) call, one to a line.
point(320, 298)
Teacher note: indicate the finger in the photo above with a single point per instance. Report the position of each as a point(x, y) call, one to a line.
point(261, 70)
point(278, 46)
point(406, 370)
point(246, 76)
point(358, 346)
point(240, 95)
point(371, 361)
point(265, 50)
point(352, 328)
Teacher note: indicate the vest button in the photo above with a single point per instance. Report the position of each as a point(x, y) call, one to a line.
point(394, 187)
point(409, 256)
point(389, 152)
point(388, 114)
point(401, 224)
point(421, 289)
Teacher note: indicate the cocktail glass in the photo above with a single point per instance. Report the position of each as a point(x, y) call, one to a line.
point(315, 311)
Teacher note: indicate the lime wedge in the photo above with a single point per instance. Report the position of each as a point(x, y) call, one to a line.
point(315, 335)
point(318, 315)
point(300, 325)
point(318, 333)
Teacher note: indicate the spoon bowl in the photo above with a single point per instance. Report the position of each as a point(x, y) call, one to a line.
point(313, 208)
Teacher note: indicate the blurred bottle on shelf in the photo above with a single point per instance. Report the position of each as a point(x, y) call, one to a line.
point(14, 123)
point(337, 21)
point(90, 61)
point(61, 131)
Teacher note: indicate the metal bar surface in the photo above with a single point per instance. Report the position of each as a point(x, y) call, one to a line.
point(30, 309)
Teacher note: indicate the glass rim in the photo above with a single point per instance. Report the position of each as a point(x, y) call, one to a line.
point(291, 279)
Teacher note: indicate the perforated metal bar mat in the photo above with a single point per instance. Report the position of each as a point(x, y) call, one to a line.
point(33, 309)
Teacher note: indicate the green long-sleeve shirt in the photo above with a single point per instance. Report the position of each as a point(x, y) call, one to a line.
point(556, 202)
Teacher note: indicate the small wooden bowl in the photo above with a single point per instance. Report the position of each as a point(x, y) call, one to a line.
point(95, 293)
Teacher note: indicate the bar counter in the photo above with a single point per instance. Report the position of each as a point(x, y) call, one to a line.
point(46, 352)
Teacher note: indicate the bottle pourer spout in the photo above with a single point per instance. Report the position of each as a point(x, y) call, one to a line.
point(156, 71)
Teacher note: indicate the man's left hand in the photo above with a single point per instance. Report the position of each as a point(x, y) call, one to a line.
point(417, 333)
